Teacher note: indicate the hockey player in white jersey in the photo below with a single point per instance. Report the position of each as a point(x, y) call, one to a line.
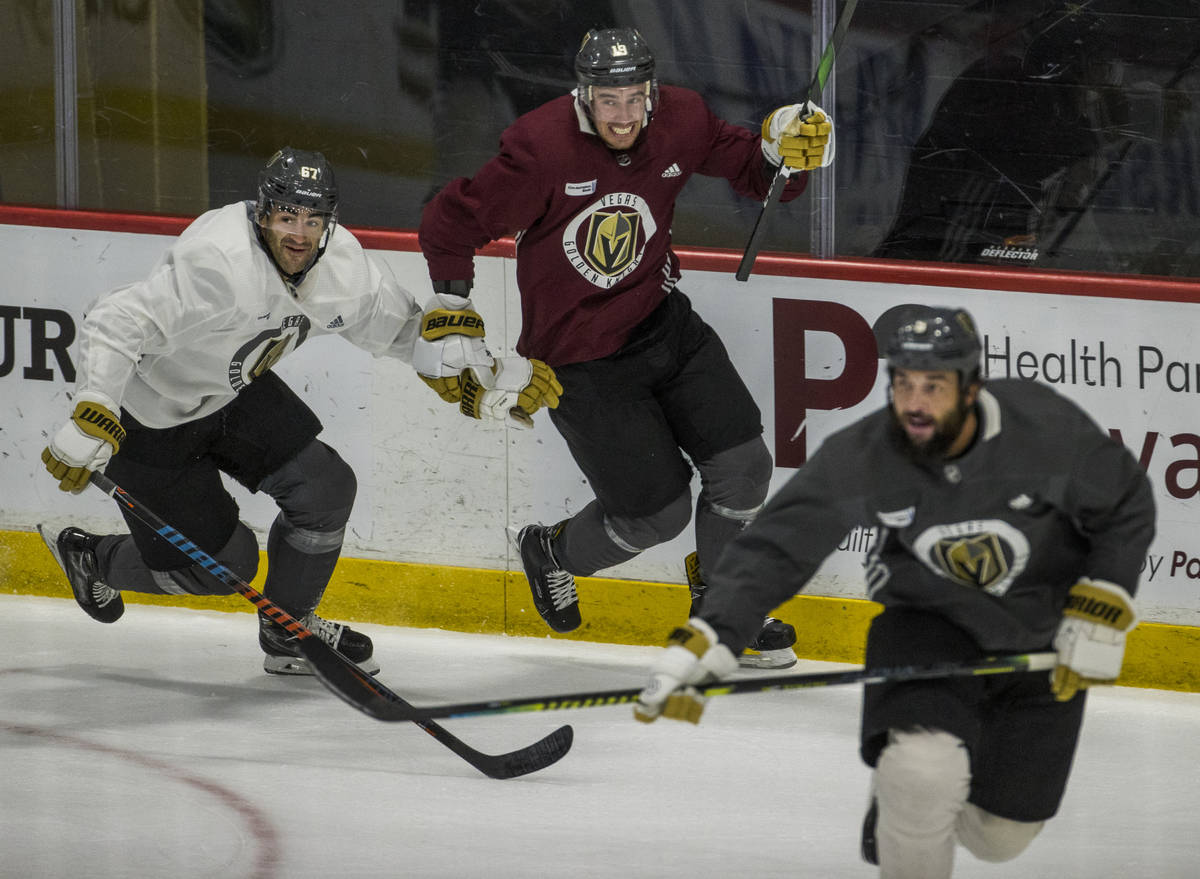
point(1009, 523)
point(175, 387)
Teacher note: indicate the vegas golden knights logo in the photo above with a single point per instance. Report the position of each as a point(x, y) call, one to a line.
point(258, 355)
point(985, 554)
point(270, 356)
point(976, 561)
point(612, 240)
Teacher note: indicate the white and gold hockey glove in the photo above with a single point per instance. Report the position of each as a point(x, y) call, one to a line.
point(85, 443)
point(693, 656)
point(1091, 637)
point(799, 137)
point(511, 390)
point(451, 341)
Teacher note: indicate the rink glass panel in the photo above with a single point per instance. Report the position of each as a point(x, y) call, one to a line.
point(1033, 134)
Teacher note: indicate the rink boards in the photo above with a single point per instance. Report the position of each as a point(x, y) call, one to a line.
point(427, 543)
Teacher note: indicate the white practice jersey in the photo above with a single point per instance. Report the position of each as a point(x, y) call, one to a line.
point(215, 313)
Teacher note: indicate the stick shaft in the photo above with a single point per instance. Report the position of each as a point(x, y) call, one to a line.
point(1011, 664)
point(339, 675)
point(779, 181)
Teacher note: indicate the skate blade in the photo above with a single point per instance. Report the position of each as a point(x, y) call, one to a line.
point(784, 658)
point(297, 665)
point(51, 544)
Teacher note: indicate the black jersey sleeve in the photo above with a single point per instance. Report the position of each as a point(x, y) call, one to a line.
point(1110, 497)
point(776, 556)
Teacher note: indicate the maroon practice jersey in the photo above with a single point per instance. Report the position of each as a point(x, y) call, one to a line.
point(593, 225)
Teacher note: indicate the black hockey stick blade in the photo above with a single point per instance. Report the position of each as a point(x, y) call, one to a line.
point(779, 181)
point(358, 689)
point(1021, 662)
point(340, 675)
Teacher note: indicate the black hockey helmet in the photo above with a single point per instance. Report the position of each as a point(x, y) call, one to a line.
point(932, 338)
point(615, 57)
point(298, 179)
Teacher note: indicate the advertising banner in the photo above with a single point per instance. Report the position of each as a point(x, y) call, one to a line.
point(438, 489)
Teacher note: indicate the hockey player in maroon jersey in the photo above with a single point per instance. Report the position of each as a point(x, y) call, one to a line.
point(588, 184)
point(1009, 523)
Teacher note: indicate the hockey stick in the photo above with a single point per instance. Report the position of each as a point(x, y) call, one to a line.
point(824, 67)
point(341, 676)
point(992, 665)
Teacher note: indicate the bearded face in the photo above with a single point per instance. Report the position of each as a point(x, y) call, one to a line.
point(932, 414)
point(293, 236)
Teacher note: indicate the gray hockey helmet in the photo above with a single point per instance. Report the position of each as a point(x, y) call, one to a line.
point(932, 338)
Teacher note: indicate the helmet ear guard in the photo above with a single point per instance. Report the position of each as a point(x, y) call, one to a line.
point(936, 339)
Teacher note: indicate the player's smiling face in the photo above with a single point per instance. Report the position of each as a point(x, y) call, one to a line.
point(618, 113)
point(293, 236)
point(934, 413)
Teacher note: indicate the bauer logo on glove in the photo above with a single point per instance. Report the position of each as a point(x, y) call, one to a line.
point(451, 341)
point(443, 321)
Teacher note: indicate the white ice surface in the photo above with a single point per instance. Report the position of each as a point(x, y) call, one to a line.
point(156, 747)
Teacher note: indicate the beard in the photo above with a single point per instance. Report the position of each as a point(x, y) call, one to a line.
point(934, 449)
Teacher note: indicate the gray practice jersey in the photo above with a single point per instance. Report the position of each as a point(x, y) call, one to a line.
point(992, 539)
point(215, 313)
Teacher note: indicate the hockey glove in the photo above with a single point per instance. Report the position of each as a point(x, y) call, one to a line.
point(800, 136)
point(1091, 637)
point(85, 443)
point(451, 340)
point(693, 656)
point(511, 390)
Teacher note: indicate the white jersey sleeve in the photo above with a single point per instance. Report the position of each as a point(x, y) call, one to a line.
point(144, 345)
point(215, 313)
point(359, 298)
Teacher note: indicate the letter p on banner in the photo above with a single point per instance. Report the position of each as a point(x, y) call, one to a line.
point(795, 392)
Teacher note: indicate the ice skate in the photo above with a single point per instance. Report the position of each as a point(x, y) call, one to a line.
point(771, 647)
point(75, 552)
point(283, 656)
point(553, 589)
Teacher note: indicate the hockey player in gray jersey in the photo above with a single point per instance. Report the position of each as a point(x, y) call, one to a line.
point(1008, 523)
point(175, 387)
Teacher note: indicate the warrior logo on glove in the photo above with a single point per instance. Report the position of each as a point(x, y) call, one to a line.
point(512, 390)
point(85, 443)
point(1091, 637)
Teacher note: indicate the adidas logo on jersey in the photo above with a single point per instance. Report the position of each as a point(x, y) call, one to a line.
point(335, 323)
point(672, 171)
